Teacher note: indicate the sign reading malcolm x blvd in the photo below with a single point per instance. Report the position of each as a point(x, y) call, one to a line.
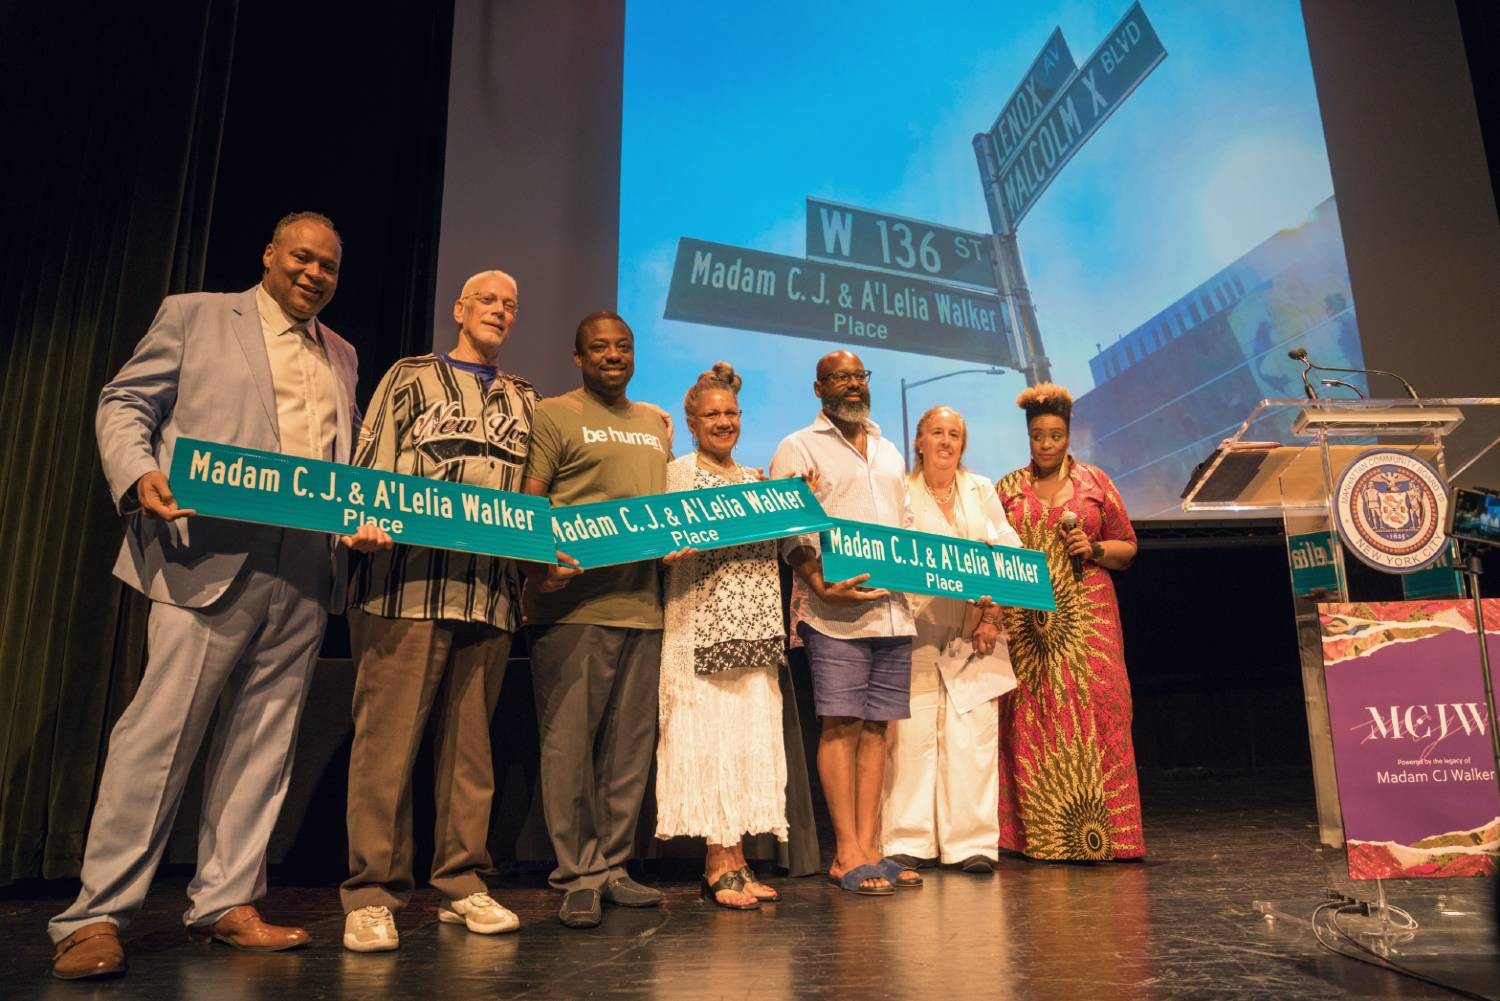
point(1127, 55)
point(841, 233)
point(1053, 65)
point(245, 484)
point(643, 528)
point(922, 563)
point(751, 290)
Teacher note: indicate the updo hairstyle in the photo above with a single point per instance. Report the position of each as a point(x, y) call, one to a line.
point(721, 376)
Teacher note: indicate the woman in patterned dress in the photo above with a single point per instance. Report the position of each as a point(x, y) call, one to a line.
point(720, 760)
point(1068, 787)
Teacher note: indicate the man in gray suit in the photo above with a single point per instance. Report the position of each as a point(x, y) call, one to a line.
point(237, 610)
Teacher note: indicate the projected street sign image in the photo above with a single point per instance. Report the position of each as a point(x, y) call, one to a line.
point(971, 204)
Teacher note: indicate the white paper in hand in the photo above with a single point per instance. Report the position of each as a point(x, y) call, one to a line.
point(972, 679)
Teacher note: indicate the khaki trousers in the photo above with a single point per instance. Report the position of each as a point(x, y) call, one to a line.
point(410, 669)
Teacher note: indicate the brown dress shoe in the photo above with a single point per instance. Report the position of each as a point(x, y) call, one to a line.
point(91, 951)
point(242, 928)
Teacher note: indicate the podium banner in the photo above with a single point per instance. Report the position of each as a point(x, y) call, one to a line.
point(246, 484)
point(922, 563)
point(1416, 772)
point(605, 533)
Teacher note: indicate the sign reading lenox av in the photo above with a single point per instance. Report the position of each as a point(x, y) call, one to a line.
point(1122, 61)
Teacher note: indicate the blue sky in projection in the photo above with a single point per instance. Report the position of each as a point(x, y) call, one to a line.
point(735, 114)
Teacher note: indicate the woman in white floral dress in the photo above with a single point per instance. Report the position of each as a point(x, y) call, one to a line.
point(720, 760)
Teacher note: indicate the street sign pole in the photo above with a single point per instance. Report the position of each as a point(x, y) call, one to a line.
point(1010, 274)
point(1032, 141)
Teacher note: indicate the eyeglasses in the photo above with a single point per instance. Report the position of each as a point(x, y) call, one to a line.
point(488, 299)
point(848, 378)
point(714, 415)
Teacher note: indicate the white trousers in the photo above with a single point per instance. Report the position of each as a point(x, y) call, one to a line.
point(942, 780)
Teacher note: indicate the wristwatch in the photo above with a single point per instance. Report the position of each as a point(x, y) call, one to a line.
point(1096, 551)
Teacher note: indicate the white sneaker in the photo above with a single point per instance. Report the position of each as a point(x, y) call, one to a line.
point(370, 929)
point(480, 913)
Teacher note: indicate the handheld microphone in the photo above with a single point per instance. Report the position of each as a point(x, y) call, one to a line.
point(1301, 355)
point(1070, 522)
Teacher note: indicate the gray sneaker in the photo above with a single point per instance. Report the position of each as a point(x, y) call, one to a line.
point(480, 913)
point(370, 929)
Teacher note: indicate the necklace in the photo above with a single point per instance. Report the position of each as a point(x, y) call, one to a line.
point(712, 466)
point(947, 497)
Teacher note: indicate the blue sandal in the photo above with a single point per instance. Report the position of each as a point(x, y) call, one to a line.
point(893, 871)
point(852, 879)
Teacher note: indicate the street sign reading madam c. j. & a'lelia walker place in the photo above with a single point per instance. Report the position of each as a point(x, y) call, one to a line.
point(752, 290)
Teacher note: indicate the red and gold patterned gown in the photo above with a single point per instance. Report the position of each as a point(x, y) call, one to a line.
point(1068, 787)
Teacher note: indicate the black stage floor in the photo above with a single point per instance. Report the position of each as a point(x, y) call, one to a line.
point(1181, 925)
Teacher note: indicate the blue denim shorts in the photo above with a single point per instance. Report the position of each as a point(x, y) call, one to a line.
point(864, 679)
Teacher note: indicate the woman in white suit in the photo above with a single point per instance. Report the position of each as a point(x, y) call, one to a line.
point(942, 779)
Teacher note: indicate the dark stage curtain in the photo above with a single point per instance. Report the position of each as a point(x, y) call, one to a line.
point(148, 154)
point(108, 190)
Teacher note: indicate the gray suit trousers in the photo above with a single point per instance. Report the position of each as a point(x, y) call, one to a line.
point(251, 653)
point(596, 695)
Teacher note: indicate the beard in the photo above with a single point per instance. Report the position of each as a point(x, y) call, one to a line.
point(848, 411)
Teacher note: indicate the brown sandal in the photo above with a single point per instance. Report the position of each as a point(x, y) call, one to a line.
point(734, 882)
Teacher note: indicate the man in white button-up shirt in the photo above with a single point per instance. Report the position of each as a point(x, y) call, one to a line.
point(858, 639)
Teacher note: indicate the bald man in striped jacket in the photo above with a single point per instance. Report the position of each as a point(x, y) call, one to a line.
point(431, 629)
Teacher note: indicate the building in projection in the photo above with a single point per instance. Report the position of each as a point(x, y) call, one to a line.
point(1168, 391)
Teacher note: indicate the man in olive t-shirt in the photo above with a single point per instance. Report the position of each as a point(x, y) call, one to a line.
point(595, 636)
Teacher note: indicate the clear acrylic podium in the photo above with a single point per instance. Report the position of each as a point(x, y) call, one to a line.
point(1287, 458)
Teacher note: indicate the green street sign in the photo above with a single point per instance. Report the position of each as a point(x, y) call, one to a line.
point(246, 484)
point(922, 563)
point(843, 234)
point(751, 290)
point(605, 533)
point(1051, 69)
point(1311, 557)
point(1441, 580)
point(1126, 56)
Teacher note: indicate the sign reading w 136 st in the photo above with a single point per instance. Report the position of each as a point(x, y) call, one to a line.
point(751, 290)
point(841, 233)
point(1128, 54)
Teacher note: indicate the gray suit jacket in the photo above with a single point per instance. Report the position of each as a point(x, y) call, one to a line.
point(202, 371)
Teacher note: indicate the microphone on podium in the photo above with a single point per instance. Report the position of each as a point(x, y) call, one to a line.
point(1070, 522)
point(1300, 354)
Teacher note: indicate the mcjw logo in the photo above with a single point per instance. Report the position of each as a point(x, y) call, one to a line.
point(1425, 722)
